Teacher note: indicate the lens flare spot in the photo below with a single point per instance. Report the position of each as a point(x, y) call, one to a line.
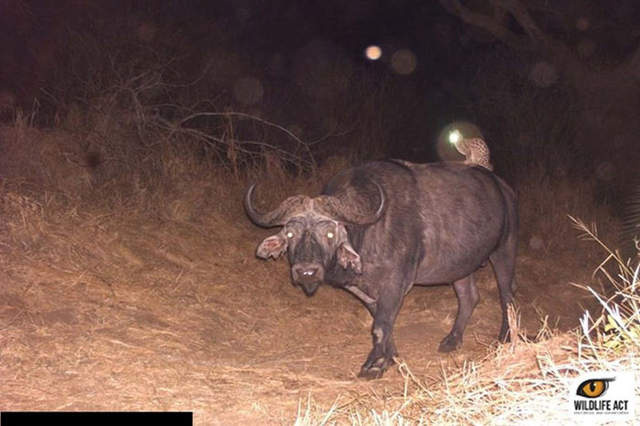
point(403, 62)
point(373, 52)
point(543, 74)
point(445, 146)
point(582, 23)
point(455, 136)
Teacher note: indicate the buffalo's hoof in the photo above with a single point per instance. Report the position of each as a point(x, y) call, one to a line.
point(505, 335)
point(376, 369)
point(449, 344)
point(504, 339)
point(370, 373)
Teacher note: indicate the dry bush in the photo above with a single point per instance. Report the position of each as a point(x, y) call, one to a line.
point(526, 126)
point(365, 120)
point(141, 109)
point(630, 226)
point(49, 160)
point(545, 200)
point(123, 153)
point(127, 95)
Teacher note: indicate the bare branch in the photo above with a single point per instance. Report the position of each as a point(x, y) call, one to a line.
point(494, 25)
point(244, 115)
point(524, 19)
point(536, 39)
point(301, 143)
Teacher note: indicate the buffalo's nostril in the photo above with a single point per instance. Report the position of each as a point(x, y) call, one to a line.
point(307, 272)
point(310, 272)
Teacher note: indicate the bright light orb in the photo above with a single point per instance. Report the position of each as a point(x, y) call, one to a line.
point(455, 136)
point(373, 52)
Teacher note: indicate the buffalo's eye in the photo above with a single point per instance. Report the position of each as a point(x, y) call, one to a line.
point(289, 234)
point(330, 235)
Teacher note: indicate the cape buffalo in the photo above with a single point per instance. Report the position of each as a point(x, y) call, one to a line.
point(379, 228)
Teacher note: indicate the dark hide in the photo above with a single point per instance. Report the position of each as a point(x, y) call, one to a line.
point(436, 223)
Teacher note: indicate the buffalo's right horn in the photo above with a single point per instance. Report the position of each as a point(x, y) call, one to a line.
point(277, 216)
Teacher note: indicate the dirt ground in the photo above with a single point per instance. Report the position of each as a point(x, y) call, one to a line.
point(99, 312)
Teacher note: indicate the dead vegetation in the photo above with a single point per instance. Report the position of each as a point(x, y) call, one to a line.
point(141, 292)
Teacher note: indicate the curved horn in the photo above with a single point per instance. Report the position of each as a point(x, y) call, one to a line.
point(277, 216)
point(348, 211)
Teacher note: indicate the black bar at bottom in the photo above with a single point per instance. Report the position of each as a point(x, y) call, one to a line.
point(95, 418)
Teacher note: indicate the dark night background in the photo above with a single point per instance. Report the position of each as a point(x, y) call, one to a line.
point(544, 86)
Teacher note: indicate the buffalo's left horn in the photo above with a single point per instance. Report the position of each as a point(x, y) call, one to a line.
point(345, 210)
point(277, 216)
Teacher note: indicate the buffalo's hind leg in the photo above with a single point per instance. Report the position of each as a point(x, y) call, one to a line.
point(503, 261)
point(468, 297)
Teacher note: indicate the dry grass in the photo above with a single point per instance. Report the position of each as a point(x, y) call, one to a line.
point(138, 291)
point(141, 292)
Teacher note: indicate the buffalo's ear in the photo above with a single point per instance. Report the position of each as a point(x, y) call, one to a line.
point(349, 258)
point(272, 246)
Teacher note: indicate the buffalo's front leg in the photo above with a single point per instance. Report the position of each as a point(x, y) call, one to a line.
point(384, 314)
point(468, 297)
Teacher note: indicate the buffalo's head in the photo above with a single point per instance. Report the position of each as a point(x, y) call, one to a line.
point(313, 232)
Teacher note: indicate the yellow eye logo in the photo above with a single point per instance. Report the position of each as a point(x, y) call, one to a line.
point(593, 388)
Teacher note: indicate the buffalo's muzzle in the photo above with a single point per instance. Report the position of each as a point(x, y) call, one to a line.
point(308, 275)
